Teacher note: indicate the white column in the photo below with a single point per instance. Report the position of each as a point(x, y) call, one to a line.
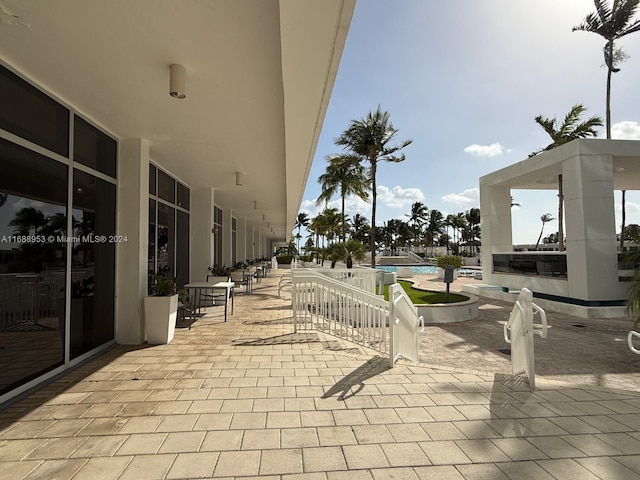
point(495, 208)
point(133, 222)
point(241, 228)
point(201, 225)
point(226, 239)
point(592, 262)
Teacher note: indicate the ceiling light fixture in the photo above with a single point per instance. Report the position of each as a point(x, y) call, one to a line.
point(239, 179)
point(177, 81)
point(255, 204)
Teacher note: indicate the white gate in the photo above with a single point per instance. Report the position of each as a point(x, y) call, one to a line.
point(522, 329)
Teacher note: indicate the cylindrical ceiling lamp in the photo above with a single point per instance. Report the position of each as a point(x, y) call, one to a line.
point(255, 204)
point(239, 179)
point(177, 81)
point(264, 217)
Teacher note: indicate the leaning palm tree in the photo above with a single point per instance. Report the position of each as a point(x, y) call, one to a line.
point(545, 219)
point(611, 22)
point(369, 139)
point(344, 174)
point(570, 129)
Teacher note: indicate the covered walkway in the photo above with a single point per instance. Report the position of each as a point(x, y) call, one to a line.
point(249, 398)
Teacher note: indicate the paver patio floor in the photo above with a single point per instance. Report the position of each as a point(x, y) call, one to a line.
point(251, 399)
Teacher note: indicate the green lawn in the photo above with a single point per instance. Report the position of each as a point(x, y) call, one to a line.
point(426, 296)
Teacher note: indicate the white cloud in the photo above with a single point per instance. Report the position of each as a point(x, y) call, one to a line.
point(352, 205)
point(398, 197)
point(626, 130)
point(470, 198)
point(489, 151)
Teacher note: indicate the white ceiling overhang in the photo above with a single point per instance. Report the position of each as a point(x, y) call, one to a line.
point(259, 78)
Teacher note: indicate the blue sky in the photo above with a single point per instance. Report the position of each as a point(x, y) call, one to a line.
point(464, 80)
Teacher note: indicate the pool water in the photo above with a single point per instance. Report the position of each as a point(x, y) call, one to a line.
point(421, 269)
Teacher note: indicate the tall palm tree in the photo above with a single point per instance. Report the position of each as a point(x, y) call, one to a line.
point(570, 129)
point(611, 22)
point(545, 219)
point(302, 220)
point(369, 139)
point(346, 175)
point(417, 218)
point(360, 229)
point(435, 226)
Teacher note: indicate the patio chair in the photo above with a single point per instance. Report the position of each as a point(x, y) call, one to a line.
point(242, 278)
point(186, 310)
point(209, 297)
point(218, 297)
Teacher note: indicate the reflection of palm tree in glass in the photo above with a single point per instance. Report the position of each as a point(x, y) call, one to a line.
point(3, 198)
point(26, 219)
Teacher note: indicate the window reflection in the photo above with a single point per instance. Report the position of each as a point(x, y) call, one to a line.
point(32, 265)
point(92, 263)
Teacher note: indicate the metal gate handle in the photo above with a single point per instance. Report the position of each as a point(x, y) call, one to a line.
point(630, 336)
point(542, 327)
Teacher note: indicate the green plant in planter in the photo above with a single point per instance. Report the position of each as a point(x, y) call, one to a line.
point(220, 271)
point(454, 261)
point(284, 259)
point(163, 286)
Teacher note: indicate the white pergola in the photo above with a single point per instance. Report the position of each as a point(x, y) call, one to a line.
point(591, 170)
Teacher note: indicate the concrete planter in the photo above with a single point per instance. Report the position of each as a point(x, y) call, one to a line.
point(450, 312)
point(160, 315)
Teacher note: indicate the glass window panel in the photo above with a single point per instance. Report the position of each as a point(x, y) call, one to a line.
point(152, 179)
point(166, 187)
point(166, 240)
point(33, 115)
point(93, 148)
point(93, 263)
point(152, 244)
point(33, 225)
point(183, 196)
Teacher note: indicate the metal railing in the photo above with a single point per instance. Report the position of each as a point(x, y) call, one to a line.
point(521, 327)
point(363, 278)
point(415, 257)
point(356, 315)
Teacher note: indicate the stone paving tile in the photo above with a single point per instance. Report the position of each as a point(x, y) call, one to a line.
point(606, 467)
point(218, 404)
point(323, 459)
point(102, 468)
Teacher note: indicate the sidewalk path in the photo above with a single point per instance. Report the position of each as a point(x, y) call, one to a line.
point(250, 399)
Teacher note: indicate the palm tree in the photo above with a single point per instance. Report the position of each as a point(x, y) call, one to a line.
point(345, 174)
point(369, 139)
point(435, 226)
point(417, 218)
point(347, 252)
point(360, 229)
point(569, 130)
point(611, 23)
point(544, 218)
point(302, 220)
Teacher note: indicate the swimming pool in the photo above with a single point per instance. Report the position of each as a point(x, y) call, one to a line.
point(422, 269)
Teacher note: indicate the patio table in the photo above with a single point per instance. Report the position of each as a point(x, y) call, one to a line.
point(198, 287)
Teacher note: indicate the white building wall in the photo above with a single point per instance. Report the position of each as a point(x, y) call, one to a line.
point(201, 225)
